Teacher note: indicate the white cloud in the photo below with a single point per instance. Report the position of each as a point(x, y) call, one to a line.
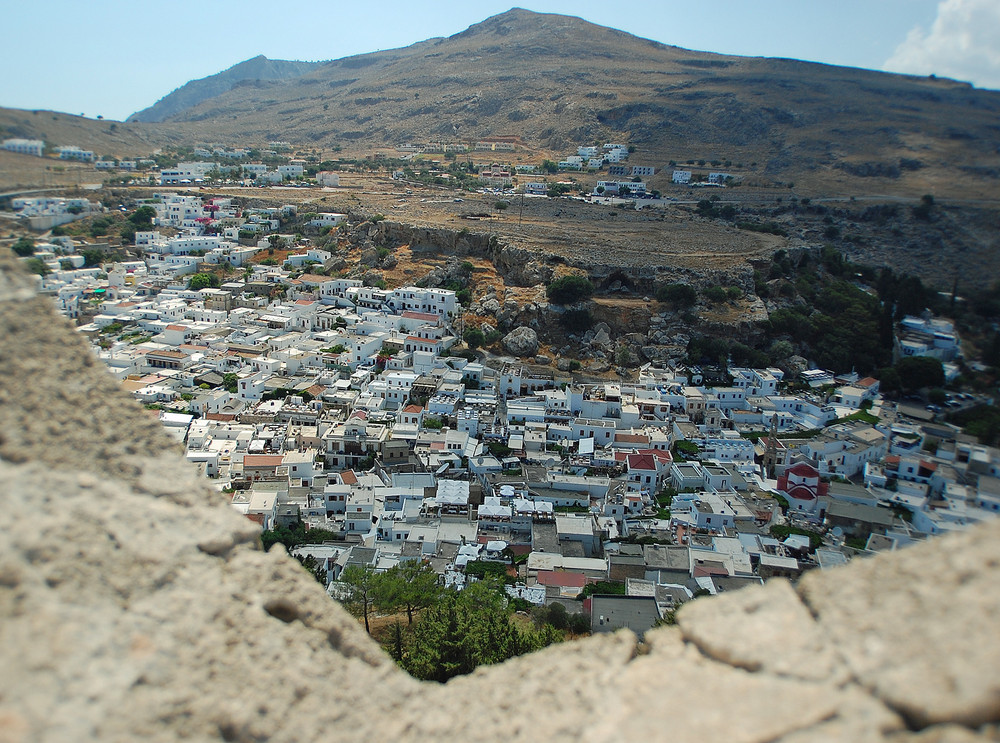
point(962, 43)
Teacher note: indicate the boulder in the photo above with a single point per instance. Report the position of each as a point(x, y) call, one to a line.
point(522, 341)
point(491, 306)
point(601, 338)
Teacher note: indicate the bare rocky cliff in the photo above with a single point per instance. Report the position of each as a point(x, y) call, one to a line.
point(135, 604)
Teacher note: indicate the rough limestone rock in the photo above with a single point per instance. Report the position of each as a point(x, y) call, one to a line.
point(491, 306)
point(136, 605)
point(601, 338)
point(522, 341)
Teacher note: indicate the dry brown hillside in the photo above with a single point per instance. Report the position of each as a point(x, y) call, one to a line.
point(556, 82)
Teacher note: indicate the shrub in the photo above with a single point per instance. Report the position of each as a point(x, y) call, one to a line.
point(569, 289)
point(679, 295)
point(715, 294)
point(24, 246)
point(474, 337)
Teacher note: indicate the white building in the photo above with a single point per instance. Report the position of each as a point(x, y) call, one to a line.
point(24, 146)
point(72, 152)
point(328, 178)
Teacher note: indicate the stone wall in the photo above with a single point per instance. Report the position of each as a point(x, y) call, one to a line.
point(136, 605)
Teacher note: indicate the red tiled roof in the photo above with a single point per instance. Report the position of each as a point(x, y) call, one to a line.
point(641, 462)
point(866, 382)
point(802, 470)
point(176, 327)
point(663, 456)
point(348, 477)
point(413, 409)
point(411, 315)
point(558, 578)
point(632, 438)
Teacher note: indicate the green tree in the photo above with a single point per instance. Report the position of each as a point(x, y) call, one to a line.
point(361, 592)
point(466, 629)
point(410, 587)
point(37, 265)
point(24, 247)
point(474, 337)
point(230, 381)
point(916, 372)
point(143, 216)
point(314, 568)
point(203, 281)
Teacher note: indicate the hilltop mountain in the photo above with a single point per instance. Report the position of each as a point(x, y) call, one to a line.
point(191, 94)
point(558, 81)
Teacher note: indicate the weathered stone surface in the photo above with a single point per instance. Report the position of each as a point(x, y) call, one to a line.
point(900, 635)
point(522, 341)
point(491, 306)
point(744, 628)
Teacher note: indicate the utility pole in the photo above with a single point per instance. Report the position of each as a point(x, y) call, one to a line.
point(521, 212)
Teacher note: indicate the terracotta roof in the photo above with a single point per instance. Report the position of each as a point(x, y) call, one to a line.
point(263, 460)
point(413, 409)
point(411, 315)
point(348, 477)
point(866, 382)
point(558, 578)
point(632, 438)
point(177, 327)
point(304, 301)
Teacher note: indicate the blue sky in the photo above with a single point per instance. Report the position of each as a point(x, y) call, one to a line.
point(112, 57)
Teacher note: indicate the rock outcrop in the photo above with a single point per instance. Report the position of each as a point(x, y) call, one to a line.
point(136, 605)
point(522, 341)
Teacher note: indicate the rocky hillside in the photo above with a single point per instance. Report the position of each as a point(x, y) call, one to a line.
point(555, 82)
point(248, 73)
